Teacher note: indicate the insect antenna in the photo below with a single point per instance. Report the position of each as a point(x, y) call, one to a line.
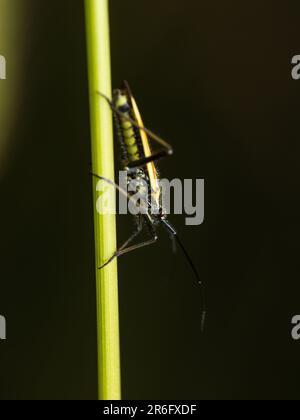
point(172, 230)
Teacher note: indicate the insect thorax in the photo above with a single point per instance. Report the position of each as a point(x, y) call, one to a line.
point(138, 183)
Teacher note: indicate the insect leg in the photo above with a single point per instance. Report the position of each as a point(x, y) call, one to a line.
point(112, 183)
point(108, 181)
point(153, 158)
point(125, 248)
point(124, 251)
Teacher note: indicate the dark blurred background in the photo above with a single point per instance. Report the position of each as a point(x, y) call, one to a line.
point(214, 78)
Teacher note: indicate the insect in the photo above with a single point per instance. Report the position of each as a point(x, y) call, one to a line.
point(138, 160)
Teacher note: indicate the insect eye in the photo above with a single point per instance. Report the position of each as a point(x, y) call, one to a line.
point(124, 108)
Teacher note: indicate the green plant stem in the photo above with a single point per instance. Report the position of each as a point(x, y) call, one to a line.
point(97, 24)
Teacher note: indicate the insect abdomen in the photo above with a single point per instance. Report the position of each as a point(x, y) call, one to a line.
point(128, 132)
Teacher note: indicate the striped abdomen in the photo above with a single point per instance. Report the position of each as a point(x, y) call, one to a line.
point(126, 130)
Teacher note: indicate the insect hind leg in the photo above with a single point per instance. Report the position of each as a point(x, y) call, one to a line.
point(125, 248)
